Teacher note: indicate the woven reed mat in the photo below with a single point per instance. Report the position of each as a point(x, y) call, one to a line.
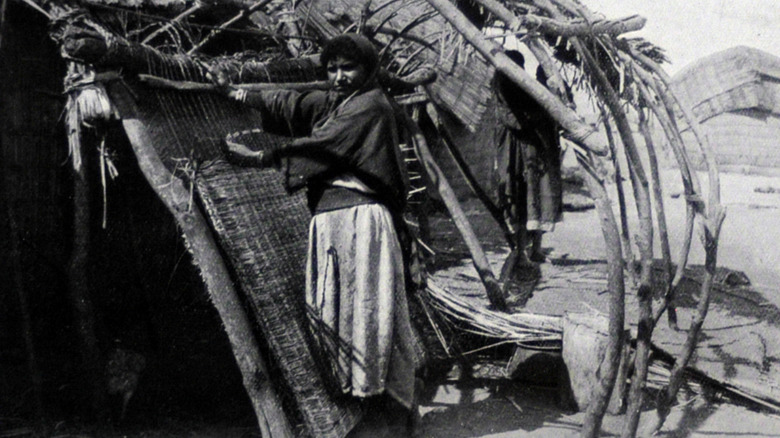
point(261, 229)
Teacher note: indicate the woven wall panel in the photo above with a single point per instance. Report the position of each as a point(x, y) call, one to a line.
point(751, 95)
point(261, 229)
point(748, 138)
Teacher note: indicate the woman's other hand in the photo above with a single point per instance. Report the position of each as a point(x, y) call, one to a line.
point(241, 154)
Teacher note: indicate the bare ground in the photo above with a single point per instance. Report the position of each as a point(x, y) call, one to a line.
point(741, 339)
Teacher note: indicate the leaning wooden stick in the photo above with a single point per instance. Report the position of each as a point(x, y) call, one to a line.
point(481, 264)
point(421, 77)
point(159, 82)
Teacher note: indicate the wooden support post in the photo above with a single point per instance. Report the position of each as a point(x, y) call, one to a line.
point(492, 287)
point(79, 291)
point(201, 243)
point(7, 188)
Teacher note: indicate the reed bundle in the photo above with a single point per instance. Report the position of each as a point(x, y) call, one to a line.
point(521, 328)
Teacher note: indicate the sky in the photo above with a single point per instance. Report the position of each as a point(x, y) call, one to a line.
point(691, 29)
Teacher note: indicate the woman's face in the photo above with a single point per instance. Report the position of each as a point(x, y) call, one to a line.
point(345, 75)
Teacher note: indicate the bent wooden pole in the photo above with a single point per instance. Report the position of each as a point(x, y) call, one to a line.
point(663, 229)
point(158, 82)
point(640, 186)
point(481, 264)
point(421, 77)
point(711, 227)
point(576, 129)
point(712, 220)
point(645, 85)
point(201, 244)
point(617, 293)
point(625, 233)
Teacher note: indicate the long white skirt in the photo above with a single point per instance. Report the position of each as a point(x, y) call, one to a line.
point(356, 301)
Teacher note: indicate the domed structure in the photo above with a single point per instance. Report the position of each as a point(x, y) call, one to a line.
point(735, 95)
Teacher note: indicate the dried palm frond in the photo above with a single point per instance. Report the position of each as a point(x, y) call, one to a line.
point(641, 45)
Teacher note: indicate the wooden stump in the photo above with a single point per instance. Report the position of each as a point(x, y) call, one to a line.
point(585, 339)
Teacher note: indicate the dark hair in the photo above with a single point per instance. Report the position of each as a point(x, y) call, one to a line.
point(353, 47)
point(501, 82)
point(517, 57)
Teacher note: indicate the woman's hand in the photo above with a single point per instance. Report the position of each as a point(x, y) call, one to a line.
point(240, 154)
point(220, 79)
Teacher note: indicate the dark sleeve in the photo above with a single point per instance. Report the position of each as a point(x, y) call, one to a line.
point(330, 149)
point(288, 112)
point(355, 140)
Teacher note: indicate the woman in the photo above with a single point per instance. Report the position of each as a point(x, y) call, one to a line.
point(345, 152)
point(527, 166)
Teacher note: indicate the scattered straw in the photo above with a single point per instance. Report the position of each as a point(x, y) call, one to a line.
point(517, 328)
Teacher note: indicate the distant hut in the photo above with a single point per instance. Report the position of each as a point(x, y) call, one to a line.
point(735, 94)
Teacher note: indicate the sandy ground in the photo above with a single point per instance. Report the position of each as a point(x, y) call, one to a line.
point(741, 344)
point(750, 238)
point(517, 411)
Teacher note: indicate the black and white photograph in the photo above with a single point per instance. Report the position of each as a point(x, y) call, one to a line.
point(389, 218)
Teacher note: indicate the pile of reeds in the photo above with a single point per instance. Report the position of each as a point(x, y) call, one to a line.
point(472, 316)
